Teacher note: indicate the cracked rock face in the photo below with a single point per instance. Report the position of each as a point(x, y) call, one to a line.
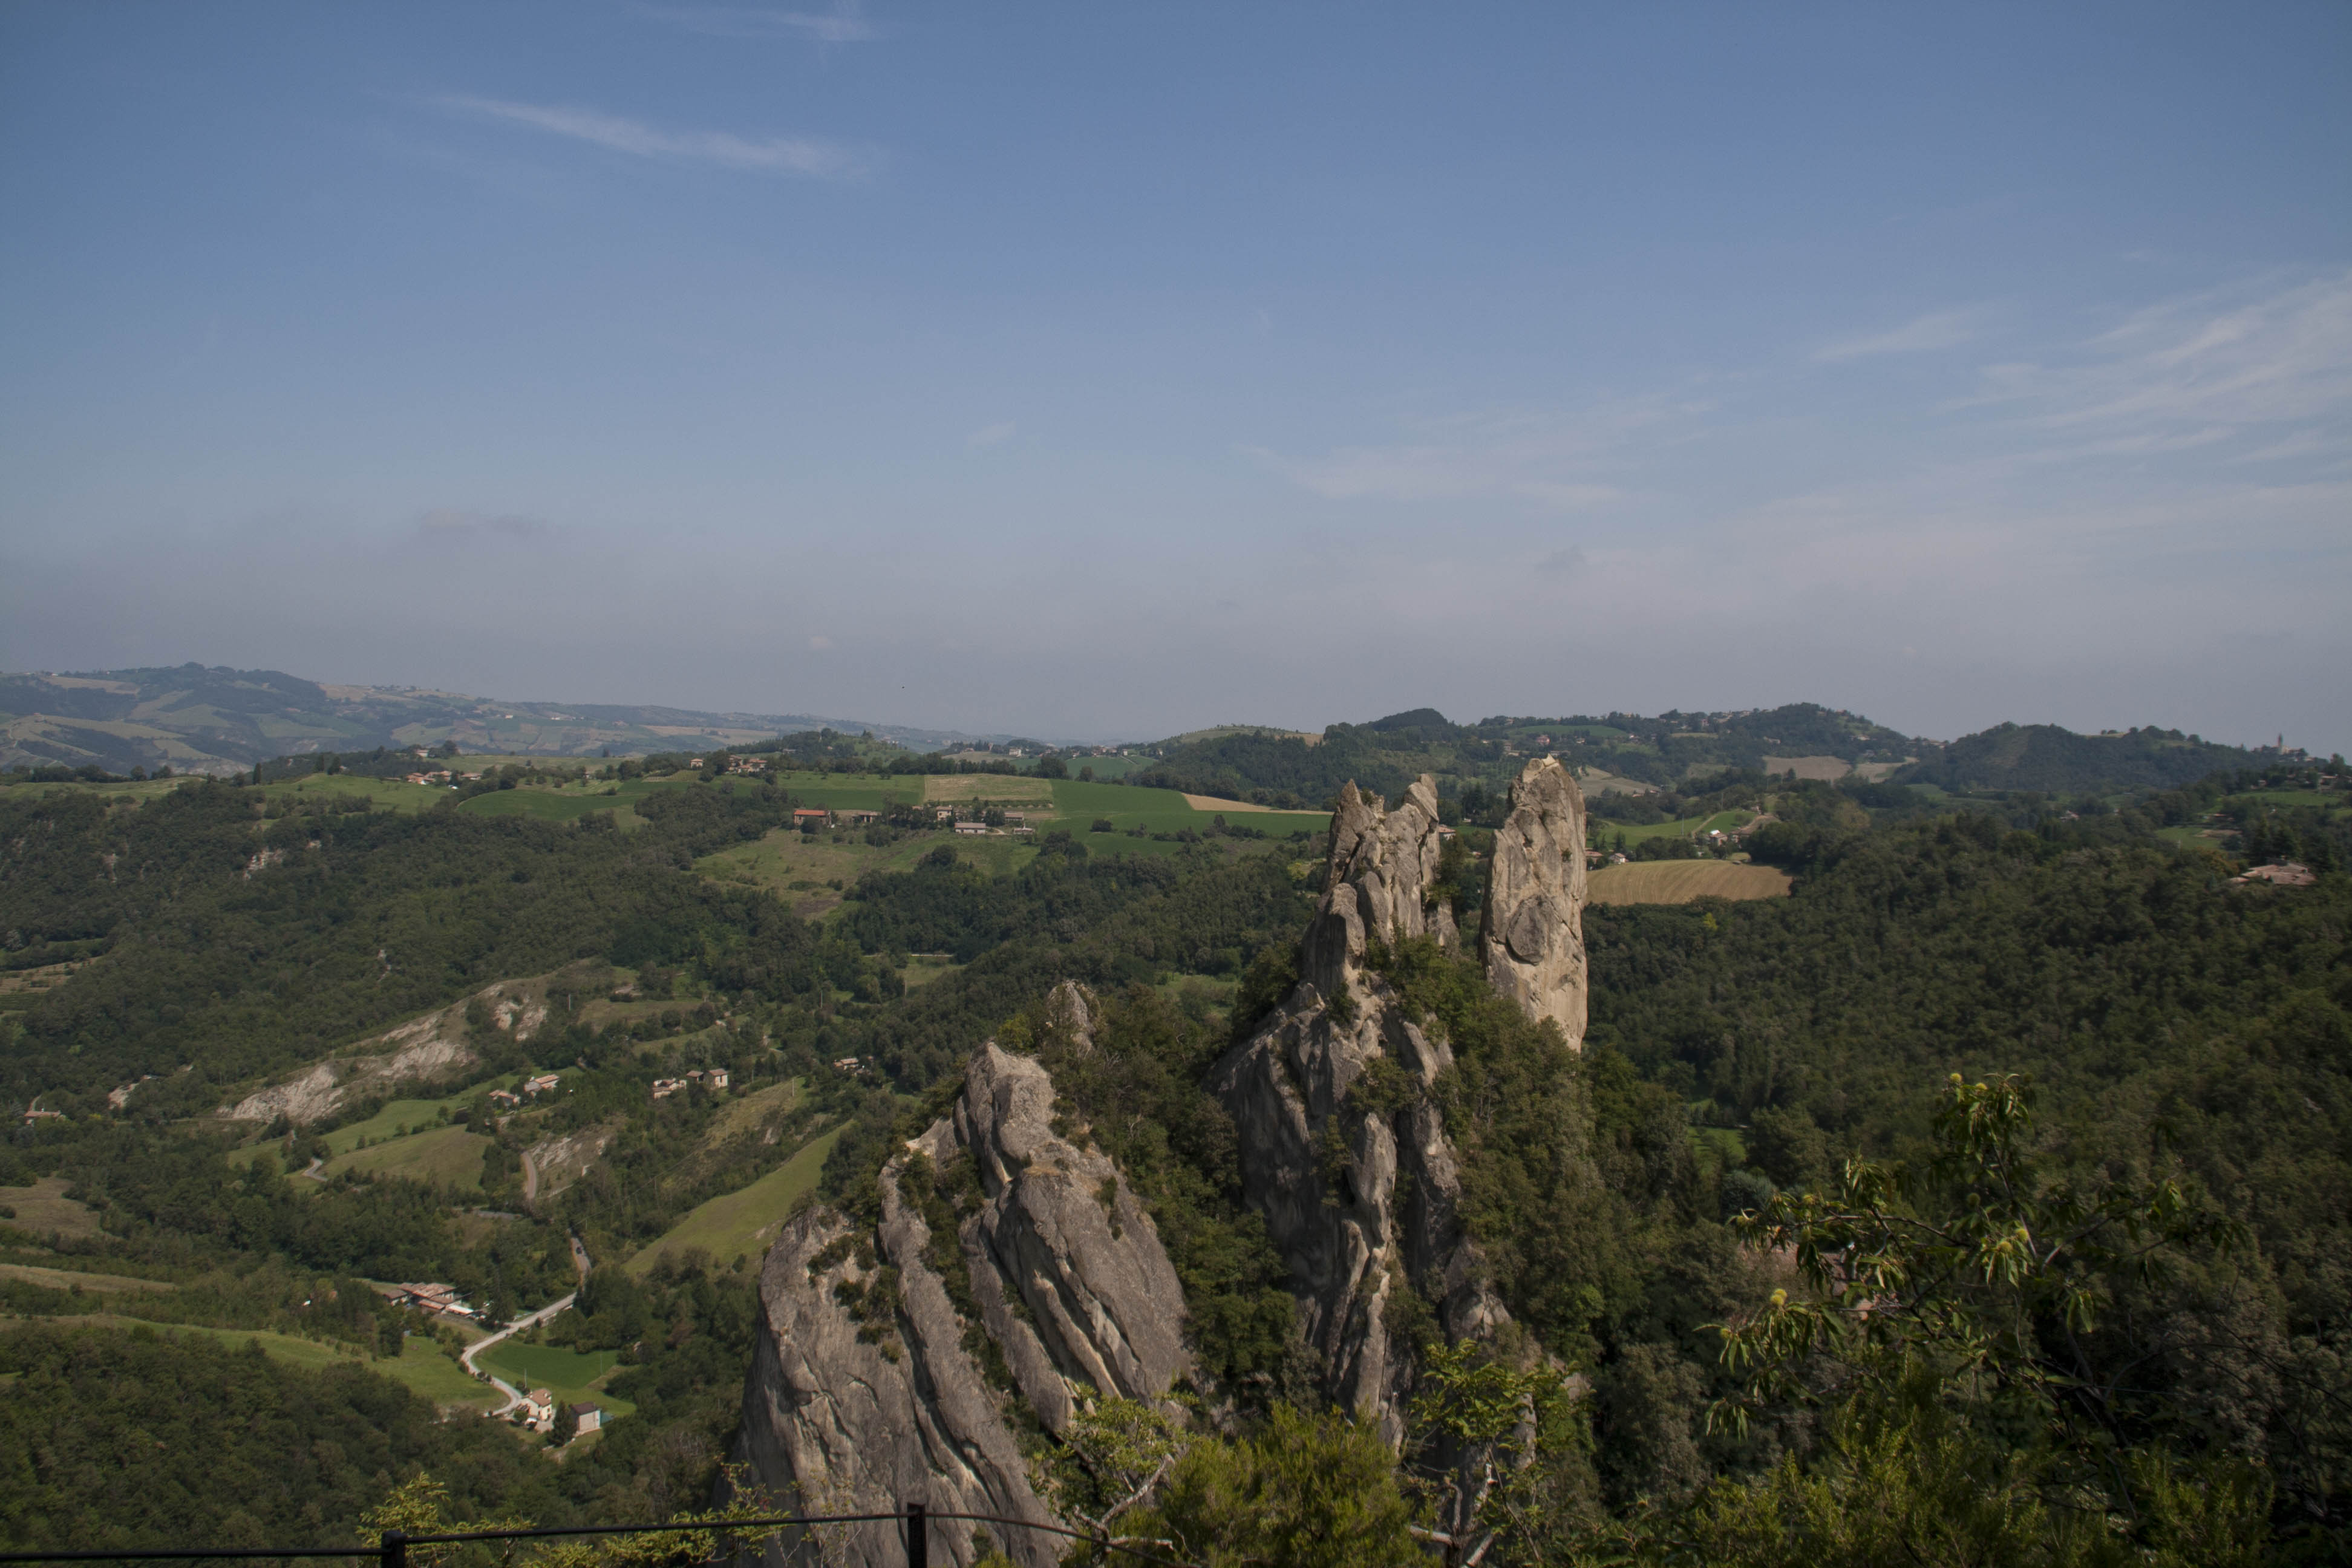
point(868, 1388)
point(1531, 939)
point(1360, 1192)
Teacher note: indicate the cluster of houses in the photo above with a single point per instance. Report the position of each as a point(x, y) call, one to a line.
point(530, 1088)
point(850, 1065)
point(713, 1079)
point(441, 776)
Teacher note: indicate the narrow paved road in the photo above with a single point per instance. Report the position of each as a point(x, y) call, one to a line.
point(466, 1359)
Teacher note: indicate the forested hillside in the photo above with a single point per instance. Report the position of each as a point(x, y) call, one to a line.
point(2177, 1032)
point(1632, 752)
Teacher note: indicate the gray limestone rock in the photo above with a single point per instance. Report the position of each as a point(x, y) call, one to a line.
point(1362, 1199)
point(865, 1391)
point(1531, 939)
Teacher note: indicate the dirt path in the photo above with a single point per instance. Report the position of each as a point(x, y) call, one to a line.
point(530, 1179)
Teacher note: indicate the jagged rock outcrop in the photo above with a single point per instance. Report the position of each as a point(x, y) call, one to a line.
point(1360, 1189)
point(869, 1387)
point(1531, 938)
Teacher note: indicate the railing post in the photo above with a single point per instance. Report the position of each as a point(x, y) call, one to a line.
point(919, 1538)
point(396, 1549)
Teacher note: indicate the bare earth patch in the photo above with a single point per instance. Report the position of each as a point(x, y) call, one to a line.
point(1680, 882)
point(1215, 802)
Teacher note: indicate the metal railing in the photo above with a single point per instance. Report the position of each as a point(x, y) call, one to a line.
point(392, 1551)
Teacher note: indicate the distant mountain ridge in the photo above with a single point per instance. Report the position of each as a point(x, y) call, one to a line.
point(214, 719)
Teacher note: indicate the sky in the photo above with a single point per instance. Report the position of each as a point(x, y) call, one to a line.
point(1101, 371)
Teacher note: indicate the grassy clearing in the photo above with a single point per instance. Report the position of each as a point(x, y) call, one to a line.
point(740, 1224)
point(1078, 805)
point(421, 1365)
point(746, 1111)
point(800, 869)
point(573, 1377)
point(382, 794)
point(403, 1118)
point(73, 1279)
point(428, 1372)
point(921, 971)
point(44, 1207)
point(445, 1157)
point(1680, 882)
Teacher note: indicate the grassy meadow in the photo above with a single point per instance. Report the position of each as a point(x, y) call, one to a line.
point(742, 1223)
point(445, 1157)
point(573, 1378)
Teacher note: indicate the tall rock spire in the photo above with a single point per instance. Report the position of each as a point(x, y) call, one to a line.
point(1532, 938)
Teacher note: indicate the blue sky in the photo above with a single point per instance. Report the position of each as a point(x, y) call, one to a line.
point(1105, 371)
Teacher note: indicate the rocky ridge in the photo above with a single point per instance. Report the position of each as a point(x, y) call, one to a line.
point(1341, 1146)
point(1013, 1274)
point(1012, 1267)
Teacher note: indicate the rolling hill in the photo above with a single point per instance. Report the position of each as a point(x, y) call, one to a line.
point(194, 719)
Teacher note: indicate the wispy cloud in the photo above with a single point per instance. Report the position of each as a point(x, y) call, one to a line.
point(809, 156)
point(842, 25)
point(1561, 459)
point(1935, 329)
point(990, 435)
point(2189, 369)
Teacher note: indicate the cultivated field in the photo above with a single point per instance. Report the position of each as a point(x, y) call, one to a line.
point(988, 786)
point(741, 1224)
point(447, 1157)
point(573, 1378)
point(1680, 882)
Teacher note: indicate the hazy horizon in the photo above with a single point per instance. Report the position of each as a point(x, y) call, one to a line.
point(1086, 372)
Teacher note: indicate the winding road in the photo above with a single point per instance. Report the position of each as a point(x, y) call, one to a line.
point(466, 1357)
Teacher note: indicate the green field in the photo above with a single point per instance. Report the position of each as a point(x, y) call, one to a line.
point(447, 1157)
point(800, 868)
point(400, 1117)
point(382, 794)
point(421, 1365)
point(740, 1224)
point(568, 1374)
point(428, 1372)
